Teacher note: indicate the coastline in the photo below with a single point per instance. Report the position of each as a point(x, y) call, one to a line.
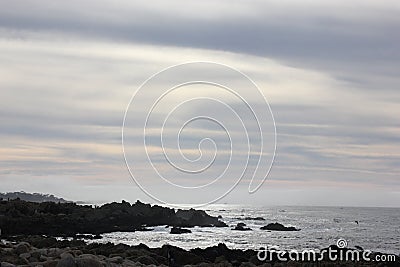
point(29, 232)
point(50, 252)
point(68, 219)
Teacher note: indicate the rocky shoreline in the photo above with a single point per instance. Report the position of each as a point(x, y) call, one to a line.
point(50, 252)
point(18, 217)
point(28, 230)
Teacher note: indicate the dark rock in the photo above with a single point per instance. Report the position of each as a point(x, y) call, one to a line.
point(26, 255)
point(88, 262)
point(50, 263)
point(65, 255)
point(96, 255)
point(54, 252)
point(142, 246)
point(278, 227)
point(67, 262)
point(146, 260)
point(20, 217)
point(41, 241)
point(220, 259)
point(178, 257)
point(106, 249)
point(192, 217)
point(116, 259)
point(178, 230)
point(241, 227)
point(22, 248)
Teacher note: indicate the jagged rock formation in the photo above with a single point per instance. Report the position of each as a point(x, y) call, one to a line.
point(57, 219)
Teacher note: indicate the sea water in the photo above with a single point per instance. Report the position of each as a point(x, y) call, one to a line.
point(378, 229)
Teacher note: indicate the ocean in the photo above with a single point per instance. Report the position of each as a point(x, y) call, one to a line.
point(378, 229)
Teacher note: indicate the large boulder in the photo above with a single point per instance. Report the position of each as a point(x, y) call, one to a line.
point(67, 261)
point(22, 248)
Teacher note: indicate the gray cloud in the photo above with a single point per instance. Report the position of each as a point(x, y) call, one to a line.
point(311, 35)
point(60, 100)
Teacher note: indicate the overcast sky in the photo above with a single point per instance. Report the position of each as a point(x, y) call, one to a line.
point(329, 70)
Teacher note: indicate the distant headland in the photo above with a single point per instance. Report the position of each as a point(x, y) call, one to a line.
point(32, 197)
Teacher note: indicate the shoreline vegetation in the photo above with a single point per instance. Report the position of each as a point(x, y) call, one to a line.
point(29, 230)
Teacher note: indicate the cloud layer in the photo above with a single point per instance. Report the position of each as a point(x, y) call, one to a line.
point(329, 71)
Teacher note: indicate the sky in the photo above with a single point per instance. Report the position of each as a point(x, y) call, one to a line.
point(329, 71)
